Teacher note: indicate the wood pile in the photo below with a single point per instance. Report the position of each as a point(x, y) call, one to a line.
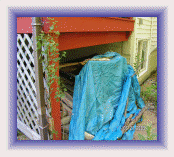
point(68, 77)
point(67, 74)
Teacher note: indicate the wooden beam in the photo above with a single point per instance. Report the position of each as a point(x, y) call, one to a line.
point(43, 124)
point(69, 41)
point(89, 24)
point(55, 105)
point(126, 127)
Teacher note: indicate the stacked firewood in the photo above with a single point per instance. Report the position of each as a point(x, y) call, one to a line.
point(68, 76)
point(66, 112)
point(67, 103)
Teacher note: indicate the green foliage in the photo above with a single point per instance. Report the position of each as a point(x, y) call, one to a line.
point(19, 133)
point(141, 137)
point(150, 94)
point(49, 56)
point(138, 64)
point(150, 135)
point(55, 132)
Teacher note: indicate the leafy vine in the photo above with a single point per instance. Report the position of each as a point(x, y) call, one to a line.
point(48, 46)
point(49, 56)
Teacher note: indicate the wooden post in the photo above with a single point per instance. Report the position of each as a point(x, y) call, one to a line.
point(55, 105)
point(43, 124)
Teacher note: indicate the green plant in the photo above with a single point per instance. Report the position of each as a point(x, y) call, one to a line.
point(138, 64)
point(19, 133)
point(46, 42)
point(150, 94)
point(150, 135)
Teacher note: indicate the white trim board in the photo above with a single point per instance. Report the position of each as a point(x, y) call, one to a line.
point(27, 131)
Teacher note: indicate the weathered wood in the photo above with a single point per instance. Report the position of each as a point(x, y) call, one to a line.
point(27, 131)
point(64, 112)
point(125, 112)
point(65, 136)
point(66, 128)
point(67, 101)
point(85, 61)
point(128, 119)
point(51, 123)
point(65, 120)
point(88, 136)
point(69, 97)
point(66, 107)
point(70, 64)
point(126, 127)
point(43, 124)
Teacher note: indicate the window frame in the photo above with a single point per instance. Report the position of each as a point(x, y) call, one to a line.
point(145, 64)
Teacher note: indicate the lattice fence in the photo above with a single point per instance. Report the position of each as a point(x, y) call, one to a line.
point(27, 115)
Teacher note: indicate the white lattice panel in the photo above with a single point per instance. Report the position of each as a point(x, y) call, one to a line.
point(26, 91)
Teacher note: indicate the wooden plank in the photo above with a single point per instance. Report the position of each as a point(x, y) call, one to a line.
point(27, 131)
point(143, 31)
point(66, 107)
point(69, 97)
point(143, 26)
point(67, 101)
point(154, 27)
point(82, 31)
point(43, 124)
point(80, 24)
point(55, 105)
point(69, 41)
point(89, 24)
point(155, 23)
point(143, 35)
point(126, 127)
point(154, 32)
point(65, 120)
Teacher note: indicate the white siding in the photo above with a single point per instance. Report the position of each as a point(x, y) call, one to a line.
point(154, 34)
point(146, 20)
point(147, 30)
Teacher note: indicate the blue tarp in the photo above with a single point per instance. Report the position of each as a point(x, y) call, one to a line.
point(100, 95)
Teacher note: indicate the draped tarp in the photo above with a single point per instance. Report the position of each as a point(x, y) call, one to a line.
point(100, 95)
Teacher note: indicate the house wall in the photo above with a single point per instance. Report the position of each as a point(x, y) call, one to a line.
point(152, 66)
point(145, 28)
point(128, 48)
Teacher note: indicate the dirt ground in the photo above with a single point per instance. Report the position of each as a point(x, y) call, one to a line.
point(149, 116)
